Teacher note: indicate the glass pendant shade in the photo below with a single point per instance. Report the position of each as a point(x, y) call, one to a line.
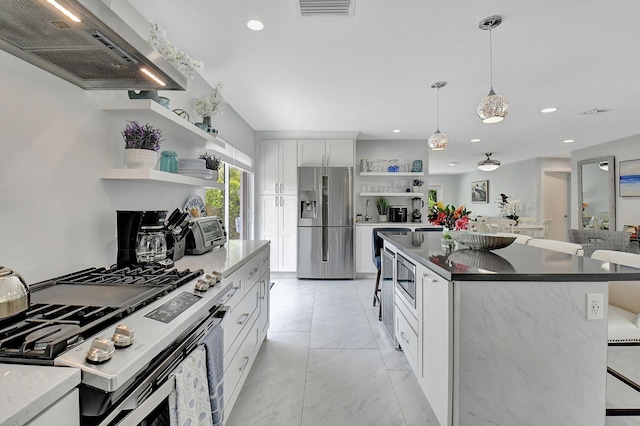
point(438, 141)
point(493, 108)
point(488, 165)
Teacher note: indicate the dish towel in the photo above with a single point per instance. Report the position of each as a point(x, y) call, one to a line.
point(215, 370)
point(189, 401)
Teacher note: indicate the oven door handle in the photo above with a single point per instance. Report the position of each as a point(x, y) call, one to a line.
point(151, 403)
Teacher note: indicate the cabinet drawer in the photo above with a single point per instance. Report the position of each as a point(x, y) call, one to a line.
point(249, 273)
point(265, 260)
point(408, 339)
point(407, 310)
point(239, 365)
point(239, 317)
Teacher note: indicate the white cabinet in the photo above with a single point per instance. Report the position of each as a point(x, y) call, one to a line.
point(277, 220)
point(245, 326)
point(278, 171)
point(279, 224)
point(326, 153)
point(437, 332)
point(364, 249)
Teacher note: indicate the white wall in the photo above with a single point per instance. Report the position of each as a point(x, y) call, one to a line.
point(57, 215)
point(627, 208)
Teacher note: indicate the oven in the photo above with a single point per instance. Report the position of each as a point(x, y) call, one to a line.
point(386, 286)
point(156, 316)
point(406, 279)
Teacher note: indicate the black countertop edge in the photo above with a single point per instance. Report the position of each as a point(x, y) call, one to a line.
point(516, 262)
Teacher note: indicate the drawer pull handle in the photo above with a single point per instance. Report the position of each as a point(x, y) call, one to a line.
point(281, 187)
point(253, 271)
point(244, 365)
point(276, 187)
point(243, 319)
point(404, 337)
point(428, 278)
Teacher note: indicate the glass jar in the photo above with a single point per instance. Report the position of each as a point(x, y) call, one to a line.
point(169, 162)
point(393, 166)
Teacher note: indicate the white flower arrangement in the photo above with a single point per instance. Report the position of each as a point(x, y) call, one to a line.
point(211, 104)
point(183, 62)
point(513, 208)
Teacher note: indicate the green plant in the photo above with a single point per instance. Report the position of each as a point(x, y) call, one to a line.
point(383, 205)
point(211, 161)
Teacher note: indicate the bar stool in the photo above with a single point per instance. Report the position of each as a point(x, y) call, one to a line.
point(377, 246)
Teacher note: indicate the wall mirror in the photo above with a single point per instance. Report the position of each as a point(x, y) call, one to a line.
point(596, 193)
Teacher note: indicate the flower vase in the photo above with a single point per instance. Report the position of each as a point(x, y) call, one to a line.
point(140, 158)
point(206, 120)
point(382, 218)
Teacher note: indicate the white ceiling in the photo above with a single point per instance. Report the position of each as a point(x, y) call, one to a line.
point(372, 72)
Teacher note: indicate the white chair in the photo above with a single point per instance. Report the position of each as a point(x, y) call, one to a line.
point(528, 220)
point(520, 238)
point(501, 225)
point(619, 257)
point(547, 226)
point(624, 299)
point(555, 245)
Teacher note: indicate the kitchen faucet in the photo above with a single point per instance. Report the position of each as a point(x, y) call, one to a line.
point(367, 218)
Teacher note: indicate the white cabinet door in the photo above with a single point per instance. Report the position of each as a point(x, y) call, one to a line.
point(288, 169)
point(288, 234)
point(311, 153)
point(269, 225)
point(437, 343)
point(364, 249)
point(339, 152)
point(269, 167)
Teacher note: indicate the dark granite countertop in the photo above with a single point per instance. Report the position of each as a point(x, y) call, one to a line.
point(517, 262)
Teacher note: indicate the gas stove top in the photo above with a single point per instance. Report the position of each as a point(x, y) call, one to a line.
point(69, 309)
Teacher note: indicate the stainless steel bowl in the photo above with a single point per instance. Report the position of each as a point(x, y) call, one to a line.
point(481, 241)
point(14, 293)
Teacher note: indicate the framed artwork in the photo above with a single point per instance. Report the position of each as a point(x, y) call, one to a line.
point(629, 178)
point(480, 191)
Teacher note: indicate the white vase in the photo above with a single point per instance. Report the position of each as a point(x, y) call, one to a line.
point(214, 175)
point(382, 218)
point(417, 189)
point(140, 158)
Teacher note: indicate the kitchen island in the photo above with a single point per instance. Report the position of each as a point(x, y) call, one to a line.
point(502, 337)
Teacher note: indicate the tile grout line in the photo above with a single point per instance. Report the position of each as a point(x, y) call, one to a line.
point(306, 373)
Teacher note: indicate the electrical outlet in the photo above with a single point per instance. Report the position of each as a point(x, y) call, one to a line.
point(595, 306)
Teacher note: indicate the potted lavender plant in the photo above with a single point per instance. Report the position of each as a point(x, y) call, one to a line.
point(141, 144)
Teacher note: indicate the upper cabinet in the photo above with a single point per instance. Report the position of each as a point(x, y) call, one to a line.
point(278, 171)
point(326, 153)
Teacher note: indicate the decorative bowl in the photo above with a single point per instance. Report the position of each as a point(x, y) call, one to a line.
point(481, 241)
point(481, 260)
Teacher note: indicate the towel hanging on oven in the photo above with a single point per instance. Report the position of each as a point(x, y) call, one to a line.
point(189, 401)
point(214, 344)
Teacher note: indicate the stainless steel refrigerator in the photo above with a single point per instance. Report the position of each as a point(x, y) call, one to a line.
point(325, 223)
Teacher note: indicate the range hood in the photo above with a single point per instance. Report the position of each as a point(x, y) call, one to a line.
point(100, 52)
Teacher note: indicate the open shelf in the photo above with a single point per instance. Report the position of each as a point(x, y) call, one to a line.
point(173, 127)
point(391, 174)
point(392, 194)
point(149, 175)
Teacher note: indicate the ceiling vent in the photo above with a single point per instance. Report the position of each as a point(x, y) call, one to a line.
point(326, 7)
point(596, 111)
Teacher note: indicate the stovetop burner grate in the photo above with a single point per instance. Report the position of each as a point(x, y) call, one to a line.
point(51, 328)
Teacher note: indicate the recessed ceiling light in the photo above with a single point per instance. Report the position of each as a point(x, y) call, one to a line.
point(568, 141)
point(255, 25)
point(396, 131)
point(475, 140)
point(453, 163)
point(548, 110)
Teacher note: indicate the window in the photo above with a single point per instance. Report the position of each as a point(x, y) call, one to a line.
point(231, 203)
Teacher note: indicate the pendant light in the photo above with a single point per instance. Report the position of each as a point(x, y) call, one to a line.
point(438, 141)
point(488, 165)
point(493, 108)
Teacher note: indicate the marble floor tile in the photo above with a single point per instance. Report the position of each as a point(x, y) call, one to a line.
point(349, 387)
point(414, 405)
point(291, 307)
point(393, 359)
point(347, 327)
point(274, 390)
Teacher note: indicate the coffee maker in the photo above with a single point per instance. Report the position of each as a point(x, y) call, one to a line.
point(142, 239)
point(416, 205)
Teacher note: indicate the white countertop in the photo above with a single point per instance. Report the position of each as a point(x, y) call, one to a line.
point(226, 259)
point(27, 390)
